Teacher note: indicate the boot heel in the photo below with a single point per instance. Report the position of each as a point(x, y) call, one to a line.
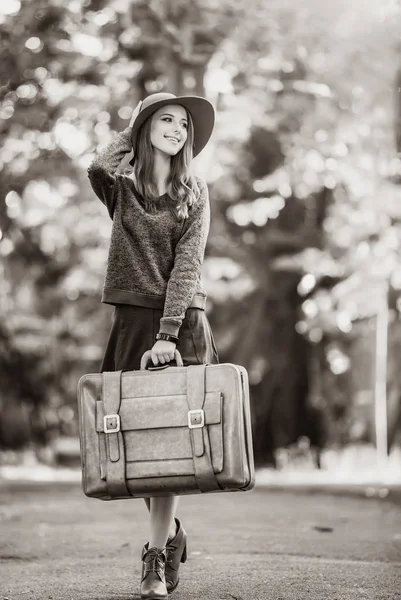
point(184, 555)
point(176, 554)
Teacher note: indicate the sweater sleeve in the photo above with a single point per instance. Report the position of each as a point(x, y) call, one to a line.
point(186, 272)
point(101, 171)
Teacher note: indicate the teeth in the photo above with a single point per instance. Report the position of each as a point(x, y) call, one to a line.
point(171, 139)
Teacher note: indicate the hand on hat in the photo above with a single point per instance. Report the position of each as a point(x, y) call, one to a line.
point(135, 113)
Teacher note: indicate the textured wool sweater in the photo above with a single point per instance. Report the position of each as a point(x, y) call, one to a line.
point(154, 260)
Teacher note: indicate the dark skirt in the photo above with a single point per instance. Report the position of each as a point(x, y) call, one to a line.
point(133, 333)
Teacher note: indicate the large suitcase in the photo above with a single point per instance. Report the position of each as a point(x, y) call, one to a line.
point(168, 430)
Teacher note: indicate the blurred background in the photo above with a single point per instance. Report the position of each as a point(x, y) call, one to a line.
point(303, 265)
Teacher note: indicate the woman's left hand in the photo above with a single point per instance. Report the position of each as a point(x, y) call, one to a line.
point(163, 352)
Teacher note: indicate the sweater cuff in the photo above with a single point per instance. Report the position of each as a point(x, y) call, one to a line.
point(170, 325)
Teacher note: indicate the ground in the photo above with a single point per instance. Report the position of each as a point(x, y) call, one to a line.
point(267, 544)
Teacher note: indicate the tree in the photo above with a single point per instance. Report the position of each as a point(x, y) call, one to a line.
point(293, 165)
point(70, 77)
point(296, 225)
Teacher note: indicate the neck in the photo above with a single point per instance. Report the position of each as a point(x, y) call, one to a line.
point(161, 171)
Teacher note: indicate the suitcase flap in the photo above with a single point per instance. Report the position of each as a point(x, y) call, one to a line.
point(159, 412)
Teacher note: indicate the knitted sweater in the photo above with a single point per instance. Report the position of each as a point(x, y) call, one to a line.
point(154, 260)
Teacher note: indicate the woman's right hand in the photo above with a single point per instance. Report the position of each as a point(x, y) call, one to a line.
point(162, 352)
point(135, 113)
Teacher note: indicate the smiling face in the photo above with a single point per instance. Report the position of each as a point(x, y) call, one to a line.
point(169, 129)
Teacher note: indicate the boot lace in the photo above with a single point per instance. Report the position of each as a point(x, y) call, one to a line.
point(154, 560)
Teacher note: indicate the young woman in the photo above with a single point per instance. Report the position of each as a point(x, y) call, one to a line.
point(161, 218)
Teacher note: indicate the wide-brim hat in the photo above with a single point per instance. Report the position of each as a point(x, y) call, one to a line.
point(200, 109)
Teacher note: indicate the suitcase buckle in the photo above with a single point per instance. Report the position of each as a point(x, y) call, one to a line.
point(111, 423)
point(196, 418)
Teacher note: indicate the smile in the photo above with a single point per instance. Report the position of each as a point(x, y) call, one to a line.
point(172, 139)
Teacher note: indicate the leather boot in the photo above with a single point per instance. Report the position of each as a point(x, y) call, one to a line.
point(176, 553)
point(176, 548)
point(153, 583)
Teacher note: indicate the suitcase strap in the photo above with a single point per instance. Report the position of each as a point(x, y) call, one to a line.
point(204, 474)
point(115, 465)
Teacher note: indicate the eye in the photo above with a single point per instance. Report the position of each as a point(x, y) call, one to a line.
point(168, 119)
point(185, 125)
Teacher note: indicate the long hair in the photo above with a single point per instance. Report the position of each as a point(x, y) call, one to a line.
point(182, 187)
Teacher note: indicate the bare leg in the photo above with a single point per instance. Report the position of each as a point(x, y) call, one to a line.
point(173, 528)
point(162, 513)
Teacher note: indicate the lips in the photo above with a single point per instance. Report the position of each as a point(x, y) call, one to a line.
point(173, 139)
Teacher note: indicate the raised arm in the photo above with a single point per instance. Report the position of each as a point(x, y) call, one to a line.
point(189, 254)
point(101, 171)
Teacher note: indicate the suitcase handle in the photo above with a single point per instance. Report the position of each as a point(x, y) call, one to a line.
point(147, 357)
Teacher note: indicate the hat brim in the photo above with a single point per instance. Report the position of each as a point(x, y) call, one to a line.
point(202, 115)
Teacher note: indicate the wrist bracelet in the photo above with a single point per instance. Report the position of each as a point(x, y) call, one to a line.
point(167, 337)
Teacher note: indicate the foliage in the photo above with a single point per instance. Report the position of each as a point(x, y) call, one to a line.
point(323, 211)
point(71, 73)
point(301, 172)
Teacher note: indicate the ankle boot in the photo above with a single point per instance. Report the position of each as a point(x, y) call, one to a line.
point(153, 583)
point(176, 553)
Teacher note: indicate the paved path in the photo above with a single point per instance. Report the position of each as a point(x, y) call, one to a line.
point(56, 544)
